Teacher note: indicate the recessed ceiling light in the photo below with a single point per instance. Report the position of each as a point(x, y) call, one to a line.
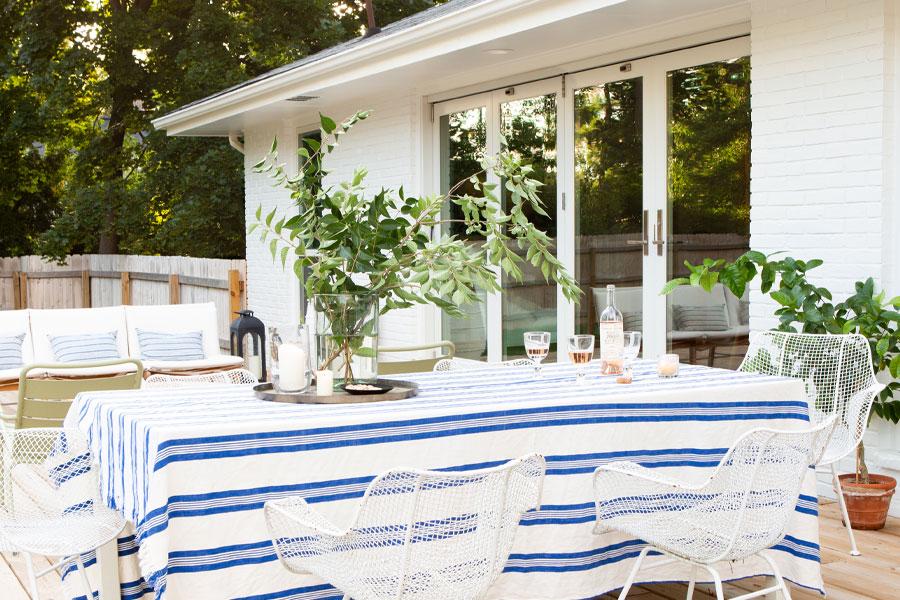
point(498, 51)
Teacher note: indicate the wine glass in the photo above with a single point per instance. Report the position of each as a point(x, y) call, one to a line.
point(581, 351)
point(537, 347)
point(630, 350)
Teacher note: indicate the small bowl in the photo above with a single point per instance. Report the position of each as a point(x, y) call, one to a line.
point(369, 389)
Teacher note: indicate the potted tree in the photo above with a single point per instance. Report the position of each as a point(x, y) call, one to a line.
point(360, 253)
point(805, 307)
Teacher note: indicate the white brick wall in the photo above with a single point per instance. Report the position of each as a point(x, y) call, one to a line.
point(823, 141)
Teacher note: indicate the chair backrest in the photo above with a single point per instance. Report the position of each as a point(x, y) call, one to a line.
point(44, 474)
point(760, 479)
point(467, 364)
point(431, 534)
point(234, 377)
point(417, 365)
point(44, 402)
point(838, 373)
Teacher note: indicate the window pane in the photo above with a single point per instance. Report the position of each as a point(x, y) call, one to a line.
point(462, 146)
point(529, 126)
point(608, 200)
point(709, 204)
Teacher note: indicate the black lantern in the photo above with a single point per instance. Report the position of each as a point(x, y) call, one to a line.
point(248, 340)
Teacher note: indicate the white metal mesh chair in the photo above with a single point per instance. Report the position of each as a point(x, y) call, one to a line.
point(234, 376)
point(49, 499)
point(742, 510)
point(467, 364)
point(840, 381)
point(417, 535)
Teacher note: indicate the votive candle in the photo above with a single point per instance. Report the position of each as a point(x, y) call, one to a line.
point(324, 383)
point(667, 366)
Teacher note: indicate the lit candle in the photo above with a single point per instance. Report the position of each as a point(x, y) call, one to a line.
point(667, 365)
point(324, 383)
point(291, 368)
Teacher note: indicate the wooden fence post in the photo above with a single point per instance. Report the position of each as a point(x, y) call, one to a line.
point(23, 290)
point(86, 289)
point(174, 289)
point(235, 291)
point(126, 287)
point(17, 295)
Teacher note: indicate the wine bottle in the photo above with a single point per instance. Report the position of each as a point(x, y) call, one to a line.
point(612, 336)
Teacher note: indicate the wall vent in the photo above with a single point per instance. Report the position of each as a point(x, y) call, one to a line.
point(301, 98)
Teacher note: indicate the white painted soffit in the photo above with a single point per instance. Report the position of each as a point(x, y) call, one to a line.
point(430, 50)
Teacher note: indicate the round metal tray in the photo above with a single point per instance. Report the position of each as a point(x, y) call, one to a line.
point(401, 391)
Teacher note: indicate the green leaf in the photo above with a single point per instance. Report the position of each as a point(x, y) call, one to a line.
point(782, 298)
point(671, 285)
point(327, 123)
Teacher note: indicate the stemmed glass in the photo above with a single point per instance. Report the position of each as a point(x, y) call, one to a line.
point(537, 347)
point(631, 349)
point(581, 351)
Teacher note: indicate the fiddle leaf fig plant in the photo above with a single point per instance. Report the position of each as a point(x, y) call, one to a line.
point(344, 237)
point(808, 308)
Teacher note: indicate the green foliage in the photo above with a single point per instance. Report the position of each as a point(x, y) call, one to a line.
point(344, 230)
point(806, 307)
point(80, 82)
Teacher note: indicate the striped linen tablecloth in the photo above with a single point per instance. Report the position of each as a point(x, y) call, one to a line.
point(191, 469)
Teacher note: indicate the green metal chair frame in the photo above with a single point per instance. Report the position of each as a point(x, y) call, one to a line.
point(414, 366)
point(44, 401)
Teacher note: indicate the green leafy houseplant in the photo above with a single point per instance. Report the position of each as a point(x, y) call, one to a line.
point(346, 239)
point(808, 308)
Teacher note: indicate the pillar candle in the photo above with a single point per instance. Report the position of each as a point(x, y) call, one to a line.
point(291, 368)
point(324, 383)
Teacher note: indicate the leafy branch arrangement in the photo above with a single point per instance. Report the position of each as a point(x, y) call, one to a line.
point(808, 308)
point(345, 239)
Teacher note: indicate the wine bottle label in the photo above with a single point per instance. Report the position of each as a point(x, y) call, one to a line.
point(612, 340)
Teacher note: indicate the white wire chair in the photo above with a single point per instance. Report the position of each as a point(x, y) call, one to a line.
point(417, 535)
point(234, 376)
point(467, 364)
point(49, 499)
point(742, 510)
point(840, 381)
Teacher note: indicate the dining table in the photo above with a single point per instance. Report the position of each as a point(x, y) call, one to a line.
point(191, 469)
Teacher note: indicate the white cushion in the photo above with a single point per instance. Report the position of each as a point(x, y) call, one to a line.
point(211, 362)
point(174, 318)
point(9, 375)
point(628, 299)
point(15, 322)
point(734, 306)
point(686, 295)
point(84, 371)
point(67, 321)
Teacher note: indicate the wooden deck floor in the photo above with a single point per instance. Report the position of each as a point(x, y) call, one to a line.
point(875, 575)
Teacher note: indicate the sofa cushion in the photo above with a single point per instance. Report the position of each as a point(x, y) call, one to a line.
point(15, 322)
point(210, 363)
point(11, 351)
point(84, 347)
point(46, 323)
point(174, 318)
point(176, 347)
point(700, 318)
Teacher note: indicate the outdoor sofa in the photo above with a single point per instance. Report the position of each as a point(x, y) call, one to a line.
point(38, 326)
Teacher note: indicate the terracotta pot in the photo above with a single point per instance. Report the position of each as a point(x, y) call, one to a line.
point(868, 503)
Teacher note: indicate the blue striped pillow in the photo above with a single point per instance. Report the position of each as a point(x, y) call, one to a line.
point(11, 351)
point(82, 347)
point(156, 345)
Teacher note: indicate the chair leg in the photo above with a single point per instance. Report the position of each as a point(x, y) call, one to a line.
point(693, 582)
point(782, 584)
point(717, 580)
point(32, 578)
point(633, 573)
point(854, 551)
point(84, 578)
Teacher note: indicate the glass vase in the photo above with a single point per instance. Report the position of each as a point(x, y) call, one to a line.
point(347, 336)
point(292, 360)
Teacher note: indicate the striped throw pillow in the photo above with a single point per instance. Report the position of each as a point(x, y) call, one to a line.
point(82, 347)
point(11, 351)
point(633, 321)
point(700, 318)
point(156, 345)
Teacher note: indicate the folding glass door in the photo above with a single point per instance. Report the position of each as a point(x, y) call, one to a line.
point(645, 164)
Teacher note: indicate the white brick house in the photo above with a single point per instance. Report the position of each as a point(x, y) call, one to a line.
point(823, 173)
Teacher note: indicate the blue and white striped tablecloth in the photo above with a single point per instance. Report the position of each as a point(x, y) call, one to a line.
point(191, 469)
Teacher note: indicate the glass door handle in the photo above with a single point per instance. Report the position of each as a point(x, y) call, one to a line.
point(644, 241)
point(658, 239)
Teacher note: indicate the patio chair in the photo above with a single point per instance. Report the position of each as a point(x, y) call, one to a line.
point(840, 381)
point(233, 377)
point(741, 511)
point(417, 535)
point(416, 365)
point(50, 503)
point(467, 364)
point(44, 401)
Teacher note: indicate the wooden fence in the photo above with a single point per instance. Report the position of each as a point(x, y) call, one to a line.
point(108, 280)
